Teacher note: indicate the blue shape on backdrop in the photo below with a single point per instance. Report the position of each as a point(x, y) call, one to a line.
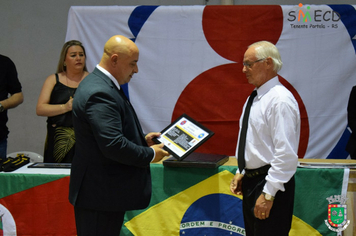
point(136, 20)
point(339, 151)
point(348, 17)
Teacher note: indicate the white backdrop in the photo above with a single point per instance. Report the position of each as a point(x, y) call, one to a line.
point(191, 61)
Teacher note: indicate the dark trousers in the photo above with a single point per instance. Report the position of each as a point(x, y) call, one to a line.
point(280, 218)
point(98, 223)
point(3, 148)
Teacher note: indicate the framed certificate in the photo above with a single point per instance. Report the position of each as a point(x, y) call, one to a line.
point(183, 136)
point(51, 165)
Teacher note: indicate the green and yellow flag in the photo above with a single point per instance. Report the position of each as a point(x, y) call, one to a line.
point(185, 201)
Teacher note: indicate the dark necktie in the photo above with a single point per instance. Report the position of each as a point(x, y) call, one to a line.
point(242, 142)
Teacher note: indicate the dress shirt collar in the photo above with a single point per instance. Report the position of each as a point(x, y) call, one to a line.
point(107, 73)
point(263, 89)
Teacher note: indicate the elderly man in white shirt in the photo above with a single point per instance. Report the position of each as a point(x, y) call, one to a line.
point(268, 153)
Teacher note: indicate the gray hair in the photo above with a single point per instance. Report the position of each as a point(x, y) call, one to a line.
point(266, 49)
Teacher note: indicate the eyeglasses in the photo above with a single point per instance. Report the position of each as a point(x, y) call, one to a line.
point(250, 64)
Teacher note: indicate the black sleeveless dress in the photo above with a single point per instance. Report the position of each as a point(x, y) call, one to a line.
point(60, 140)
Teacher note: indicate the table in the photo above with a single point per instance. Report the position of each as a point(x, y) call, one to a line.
point(187, 201)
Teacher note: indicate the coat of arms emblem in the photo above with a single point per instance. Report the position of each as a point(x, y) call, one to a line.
point(337, 214)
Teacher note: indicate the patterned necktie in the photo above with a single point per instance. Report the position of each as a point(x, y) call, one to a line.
point(242, 143)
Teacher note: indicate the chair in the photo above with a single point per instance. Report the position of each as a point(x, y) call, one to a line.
point(34, 157)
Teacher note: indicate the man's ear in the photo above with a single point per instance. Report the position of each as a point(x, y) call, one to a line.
point(269, 62)
point(114, 58)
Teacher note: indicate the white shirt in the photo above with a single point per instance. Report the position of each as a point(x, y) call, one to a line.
point(273, 134)
point(107, 73)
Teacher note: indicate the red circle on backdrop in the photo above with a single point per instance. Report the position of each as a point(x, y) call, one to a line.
point(215, 98)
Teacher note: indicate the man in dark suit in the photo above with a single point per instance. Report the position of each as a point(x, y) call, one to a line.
point(351, 119)
point(111, 168)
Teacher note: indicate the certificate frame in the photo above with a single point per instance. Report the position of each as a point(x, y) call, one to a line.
point(50, 165)
point(183, 136)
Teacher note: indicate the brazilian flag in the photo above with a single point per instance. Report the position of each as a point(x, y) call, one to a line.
point(185, 201)
point(193, 201)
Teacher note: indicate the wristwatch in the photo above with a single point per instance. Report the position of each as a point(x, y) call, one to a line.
point(1, 108)
point(268, 197)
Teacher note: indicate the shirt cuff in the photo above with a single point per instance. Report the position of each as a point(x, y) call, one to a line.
point(268, 188)
point(154, 154)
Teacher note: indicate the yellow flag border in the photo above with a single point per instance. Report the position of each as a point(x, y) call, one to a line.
point(162, 220)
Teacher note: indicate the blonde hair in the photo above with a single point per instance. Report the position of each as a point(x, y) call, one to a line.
point(61, 67)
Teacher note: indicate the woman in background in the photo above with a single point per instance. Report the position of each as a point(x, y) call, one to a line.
point(55, 102)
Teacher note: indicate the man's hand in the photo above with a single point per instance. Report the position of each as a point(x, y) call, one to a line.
point(235, 185)
point(160, 152)
point(150, 136)
point(262, 208)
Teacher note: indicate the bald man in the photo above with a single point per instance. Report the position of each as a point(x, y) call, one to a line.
point(111, 168)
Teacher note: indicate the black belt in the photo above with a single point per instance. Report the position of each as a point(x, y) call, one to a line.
point(256, 172)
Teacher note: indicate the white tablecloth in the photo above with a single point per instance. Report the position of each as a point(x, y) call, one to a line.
point(47, 171)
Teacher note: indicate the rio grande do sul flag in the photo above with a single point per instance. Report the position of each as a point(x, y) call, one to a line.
point(32, 206)
point(191, 62)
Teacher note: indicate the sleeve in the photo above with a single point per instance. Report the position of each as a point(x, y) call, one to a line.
point(106, 120)
point(285, 131)
point(13, 83)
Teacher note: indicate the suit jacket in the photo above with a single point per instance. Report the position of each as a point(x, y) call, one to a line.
point(110, 169)
point(351, 118)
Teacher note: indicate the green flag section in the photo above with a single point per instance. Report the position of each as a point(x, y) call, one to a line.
point(43, 210)
point(313, 188)
point(169, 217)
point(23, 182)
